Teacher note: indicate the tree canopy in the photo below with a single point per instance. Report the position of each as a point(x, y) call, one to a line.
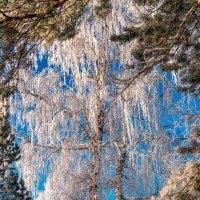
point(25, 24)
point(166, 35)
point(11, 186)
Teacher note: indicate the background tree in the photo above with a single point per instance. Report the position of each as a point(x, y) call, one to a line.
point(166, 35)
point(185, 184)
point(11, 187)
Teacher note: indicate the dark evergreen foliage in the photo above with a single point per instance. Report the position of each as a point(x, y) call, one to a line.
point(168, 36)
point(103, 9)
point(11, 187)
point(194, 145)
point(194, 179)
point(25, 24)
